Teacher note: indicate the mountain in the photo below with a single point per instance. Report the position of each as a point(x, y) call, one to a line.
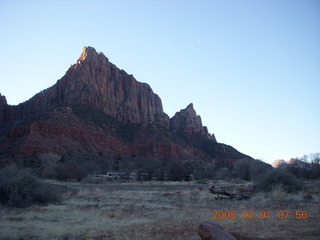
point(279, 163)
point(96, 107)
point(293, 162)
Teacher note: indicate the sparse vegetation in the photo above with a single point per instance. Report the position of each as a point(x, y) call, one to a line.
point(154, 211)
point(20, 188)
point(278, 177)
point(148, 210)
point(224, 173)
point(75, 170)
point(306, 167)
point(49, 165)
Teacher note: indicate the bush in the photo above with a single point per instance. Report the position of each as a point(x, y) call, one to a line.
point(224, 174)
point(20, 188)
point(257, 168)
point(241, 169)
point(75, 170)
point(176, 171)
point(280, 177)
point(49, 162)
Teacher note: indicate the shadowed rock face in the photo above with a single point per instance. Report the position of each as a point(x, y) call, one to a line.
point(94, 81)
point(95, 107)
point(5, 111)
point(188, 122)
point(3, 100)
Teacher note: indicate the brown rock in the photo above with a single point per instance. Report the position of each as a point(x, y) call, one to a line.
point(96, 107)
point(188, 122)
point(95, 82)
point(208, 230)
point(3, 100)
point(278, 163)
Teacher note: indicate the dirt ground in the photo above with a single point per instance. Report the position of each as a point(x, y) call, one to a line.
point(161, 210)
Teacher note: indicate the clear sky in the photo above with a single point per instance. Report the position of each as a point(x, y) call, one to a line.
point(251, 68)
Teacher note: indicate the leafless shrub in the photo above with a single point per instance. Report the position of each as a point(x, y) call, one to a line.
point(49, 162)
point(20, 188)
point(281, 177)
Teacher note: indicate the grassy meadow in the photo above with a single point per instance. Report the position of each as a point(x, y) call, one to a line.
point(160, 210)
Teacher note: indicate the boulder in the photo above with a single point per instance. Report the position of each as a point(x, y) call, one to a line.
point(209, 230)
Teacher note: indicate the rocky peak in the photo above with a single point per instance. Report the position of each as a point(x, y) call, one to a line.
point(278, 163)
point(90, 54)
point(187, 121)
point(78, 114)
point(95, 82)
point(190, 109)
point(3, 100)
point(104, 86)
point(3, 109)
point(87, 52)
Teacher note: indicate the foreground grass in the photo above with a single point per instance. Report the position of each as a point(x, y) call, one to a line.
point(156, 211)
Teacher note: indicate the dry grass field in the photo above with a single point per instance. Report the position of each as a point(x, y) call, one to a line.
point(160, 211)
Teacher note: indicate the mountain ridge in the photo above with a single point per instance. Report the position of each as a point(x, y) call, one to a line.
point(129, 118)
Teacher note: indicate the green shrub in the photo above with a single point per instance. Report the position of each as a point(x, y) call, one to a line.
point(268, 181)
point(20, 188)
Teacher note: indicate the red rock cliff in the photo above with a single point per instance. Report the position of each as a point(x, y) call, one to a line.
point(96, 107)
point(188, 122)
point(95, 82)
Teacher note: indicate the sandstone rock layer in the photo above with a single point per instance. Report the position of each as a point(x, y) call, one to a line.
point(96, 107)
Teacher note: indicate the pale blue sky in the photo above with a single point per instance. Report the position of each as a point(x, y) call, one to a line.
point(251, 68)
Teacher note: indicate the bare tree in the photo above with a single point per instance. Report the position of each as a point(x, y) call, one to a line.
point(241, 168)
point(49, 163)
